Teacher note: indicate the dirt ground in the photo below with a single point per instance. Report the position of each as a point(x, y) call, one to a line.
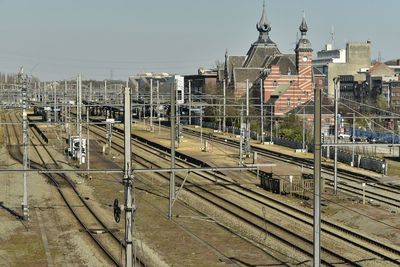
point(192, 238)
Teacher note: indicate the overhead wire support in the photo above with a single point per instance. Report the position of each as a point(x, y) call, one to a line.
point(335, 176)
point(24, 90)
point(317, 178)
point(128, 181)
point(173, 137)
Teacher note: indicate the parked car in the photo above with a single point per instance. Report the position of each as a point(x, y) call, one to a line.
point(344, 136)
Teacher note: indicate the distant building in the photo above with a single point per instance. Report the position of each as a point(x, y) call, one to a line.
point(358, 61)
point(202, 84)
point(328, 55)
point(395, 65)
point(395, 96)
point(287, 78)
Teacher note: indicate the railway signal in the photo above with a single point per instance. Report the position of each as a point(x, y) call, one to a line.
point(117, 211)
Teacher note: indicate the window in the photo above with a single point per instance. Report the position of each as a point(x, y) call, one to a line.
point(288, 101)
point(275, 83)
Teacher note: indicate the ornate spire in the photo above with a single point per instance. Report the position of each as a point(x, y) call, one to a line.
point(264, 27)
point(303, 26)
point(303, 43)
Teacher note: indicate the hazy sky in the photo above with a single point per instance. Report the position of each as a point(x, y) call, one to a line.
point(56, 39)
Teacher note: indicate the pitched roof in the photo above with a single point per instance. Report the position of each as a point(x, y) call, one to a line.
point(280, 89)
point(242, 74)
point(234, 62)
point(257, 55)
point(380, 66)
point(285, 63)
point(317, 71)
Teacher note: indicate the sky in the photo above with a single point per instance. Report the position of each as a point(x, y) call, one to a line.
point(104, 39)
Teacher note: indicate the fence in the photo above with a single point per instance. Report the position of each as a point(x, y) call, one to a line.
point(361, 161)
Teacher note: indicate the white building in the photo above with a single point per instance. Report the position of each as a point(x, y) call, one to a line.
point(328, 55)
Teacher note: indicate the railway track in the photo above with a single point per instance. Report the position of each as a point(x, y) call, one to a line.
point(104, 237)
point(368, 244)
point(381, 192)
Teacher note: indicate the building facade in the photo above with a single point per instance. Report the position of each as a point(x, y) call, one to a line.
point(287, 79)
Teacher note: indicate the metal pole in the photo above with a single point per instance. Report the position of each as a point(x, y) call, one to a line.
point(55, 101)
point(173, 136)
point(247, 133)
point(201, 128)
point(304, 129)
point(90, 91)
point(262, 109)
point(271, 129)
point(87, 141)
point(65, 101)
point(317, 178)
point(158, 107)
point(105, 91)
point(392, 136)
point(79, 114)
point(190, 102)
point(241, 138)
point(25, 207)
point(128, 181)
point(224, 110)
point(335, 137)
point(353, 134)
point(151, 104)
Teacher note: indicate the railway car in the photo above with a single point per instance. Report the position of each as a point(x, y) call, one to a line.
point(299, 185)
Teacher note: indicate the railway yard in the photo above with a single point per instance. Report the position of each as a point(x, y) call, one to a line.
point(220, 218)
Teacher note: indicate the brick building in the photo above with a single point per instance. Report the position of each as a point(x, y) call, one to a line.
point(288, 83)
point(287, 78)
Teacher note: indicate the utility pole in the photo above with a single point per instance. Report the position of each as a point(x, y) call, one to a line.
point(353, 135)
point(55, 100)
point(90, 91)
point(23, 80)
point(87, 141)
point(151, 105)
point(105, 91)
point(65, 102)
point(247, 131)
point(201, 128)
point(242, 132)
point(158, 107)
point(190, 102)
point(304, 129)
point(335, 80)
point(173, 136)
point(317, 177)
point(79, 117)
point(272, 120)
point(262, 110)
point(224, 110)
point(128, 180)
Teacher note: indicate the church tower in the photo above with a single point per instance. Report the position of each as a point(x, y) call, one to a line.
point(304, 62)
